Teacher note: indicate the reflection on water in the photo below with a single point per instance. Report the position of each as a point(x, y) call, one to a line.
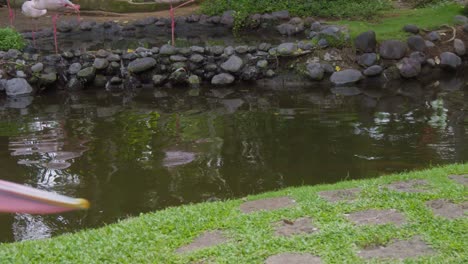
point(142, 151)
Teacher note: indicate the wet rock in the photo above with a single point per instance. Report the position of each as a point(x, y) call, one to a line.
point(214, 19)
point(197, 49)
point(100, 64)
point(264, 47)
point(316, 26)
point(228, 51)
point(270, 73)
point(100, 80)
point(129, 56)
point(346, 77)
point(68, 55)
point(283, 15)
point(167, 50)
point(197, 58)
point(323, 43)
point(48, 78)
point(315, 71)
point(305, 45)
point(233, 64)
point(74, 84)
point(459, 47)
point(194, 80)
point(262, 64)
point(141, 65)
point(409, 68)
point(416, 43)
point(17, 86)
point(177, 58)
point(178, 77)
point(429, 44)
point(102, 53)
point(287, 49)
point(216, 50)
point(418, 56)
point(249, 74)
point(87, 25)
point(242, 49)
point(460, 20)
point(19, 102)
point(87, 74)
point(20, 74)
point(413, 29)
point(465, 28)
point(74, 68)
point(227, 18)
point(449, 60)
point(290, 29)
point(38, 67)
point(366, 42)
point(374, 70)
point(433, 36)
point(222, 79)
point(113, 58)
point(331, 31)
point(367, 59)
point(393, 49)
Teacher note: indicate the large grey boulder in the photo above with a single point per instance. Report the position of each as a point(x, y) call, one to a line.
point(233, 64)
point(222, 79)
point(17, 86)
point(287, 49)
point(416, 43)
point(413, 29)
point(346, 77)
point(459, 47)
point(141, 65)
point(460, 20)
point(433, 36)
point(366, 42)
point(87, 74)
point(409, 68)
point(393, 49)
point(315, 71)
point(449, 60)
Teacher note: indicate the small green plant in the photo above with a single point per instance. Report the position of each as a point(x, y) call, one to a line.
point(11, 39)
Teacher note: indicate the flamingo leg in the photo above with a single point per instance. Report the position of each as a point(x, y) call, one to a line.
point(54, 21)
point(11, 15)
point(171, 11)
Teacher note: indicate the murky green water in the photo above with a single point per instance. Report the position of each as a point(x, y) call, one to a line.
point(143, 151)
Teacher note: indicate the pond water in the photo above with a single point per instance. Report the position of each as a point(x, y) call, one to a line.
point(146, 150)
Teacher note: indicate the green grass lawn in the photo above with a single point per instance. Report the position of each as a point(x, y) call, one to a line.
point(154, 237)
point(391, 23)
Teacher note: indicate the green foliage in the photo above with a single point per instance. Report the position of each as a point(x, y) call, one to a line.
point(424, 3)
point(154, 237)
point(389, 24)
point(11, 39)
point(322, 8)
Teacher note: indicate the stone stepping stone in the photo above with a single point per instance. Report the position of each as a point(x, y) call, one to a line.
point(377, 217)
point(462, 179)
point(293, 258)
point(411, 186)
point(269, 204)
point(340, 195)
point(400, 249)
point(447, 209)
point(299, 226)
point(205, 240)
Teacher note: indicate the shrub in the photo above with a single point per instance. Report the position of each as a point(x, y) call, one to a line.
point(11, 39)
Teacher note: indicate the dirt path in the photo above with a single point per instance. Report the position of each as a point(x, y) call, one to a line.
point(24, 24)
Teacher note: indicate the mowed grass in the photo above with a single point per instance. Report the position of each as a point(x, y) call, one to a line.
point(154, 237)
point(390, 24)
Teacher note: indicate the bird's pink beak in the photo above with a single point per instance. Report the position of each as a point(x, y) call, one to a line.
point(15, 198)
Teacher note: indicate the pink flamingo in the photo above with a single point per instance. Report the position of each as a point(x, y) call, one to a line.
point(57, 6)
point(172, 14)
point(15, 198)
point(28, 10)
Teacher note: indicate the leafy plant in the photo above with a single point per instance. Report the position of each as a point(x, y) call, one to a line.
point(11, 39)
